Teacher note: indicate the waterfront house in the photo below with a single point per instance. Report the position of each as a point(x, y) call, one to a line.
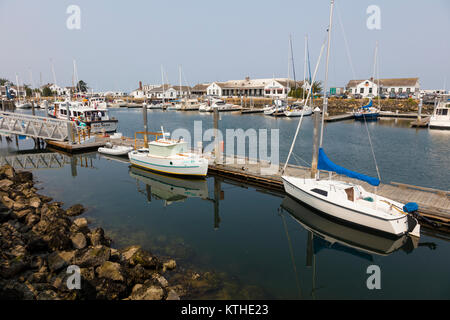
point(200, 89)
point(271, 88)
point(369, 87)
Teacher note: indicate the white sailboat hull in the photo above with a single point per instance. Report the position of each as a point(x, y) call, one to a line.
point(302, 191)
point(179, 165)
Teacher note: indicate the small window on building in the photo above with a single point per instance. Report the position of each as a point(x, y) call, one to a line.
point(444, 112)
point(370, 90)
point(408, 90)
point(320, 191)
point(361, 90)
point(400, 90)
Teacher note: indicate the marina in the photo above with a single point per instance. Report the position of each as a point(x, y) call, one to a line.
point(183, 168)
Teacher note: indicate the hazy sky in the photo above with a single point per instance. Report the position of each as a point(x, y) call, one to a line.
point(122, 42)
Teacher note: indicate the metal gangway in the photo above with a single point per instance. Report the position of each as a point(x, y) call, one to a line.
point(32, 161)
point(35, 126)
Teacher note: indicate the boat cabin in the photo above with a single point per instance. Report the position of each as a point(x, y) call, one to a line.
point(166, 147)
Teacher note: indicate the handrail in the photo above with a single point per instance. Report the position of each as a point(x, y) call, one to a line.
point(145, 133)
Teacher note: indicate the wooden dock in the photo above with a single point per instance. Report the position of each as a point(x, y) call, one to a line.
point(340, 117)
point(390, 114)
point(252, 110)
point(422, 123)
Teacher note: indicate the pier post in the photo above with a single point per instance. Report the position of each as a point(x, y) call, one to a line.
point(144, 117)
point(217, 153)
point(315, 142)
point(419, 111)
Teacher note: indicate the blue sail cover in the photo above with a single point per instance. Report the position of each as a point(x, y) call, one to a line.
point(326, 164)
point(367, 106)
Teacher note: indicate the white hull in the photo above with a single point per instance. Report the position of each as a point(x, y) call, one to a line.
point(24, 105)
point(115, 150)
point(306, 111)
point(439, 124)
point(394, 223)
point(188, 165)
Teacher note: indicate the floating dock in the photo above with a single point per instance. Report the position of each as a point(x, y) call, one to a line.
point(339, 117)
point(422, 123)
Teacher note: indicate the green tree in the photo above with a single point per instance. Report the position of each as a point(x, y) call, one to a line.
point(47, 92)
point(82, 86)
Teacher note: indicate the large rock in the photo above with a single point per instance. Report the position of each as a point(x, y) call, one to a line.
point(78, 240)
point(110, 270)
point(136, 255)
point(23, 176)
point(7, 171)
point(59, 260)
point(5, 184)
point(146, 292)
point(35, 202)
point(93, 257)
point(75, 210)
point(97, 237)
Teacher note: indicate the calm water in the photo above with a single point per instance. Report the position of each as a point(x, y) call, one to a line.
point(258, 239)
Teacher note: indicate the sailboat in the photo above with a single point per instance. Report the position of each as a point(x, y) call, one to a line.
point(369, 111)
point(21, 104)
point(299, 108)
point(344, 200)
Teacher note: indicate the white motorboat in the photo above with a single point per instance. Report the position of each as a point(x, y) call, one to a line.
point(23, 105)
point(117, 103)
point(154, 106)
point(441, 116)
point(115, 150)
point(344, 200)
point(174, 106)
point(169, 156)
point(222, 105)
point(204, 107)
point(97, 120)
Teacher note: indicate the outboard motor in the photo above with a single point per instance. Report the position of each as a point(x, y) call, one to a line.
point(411, 209)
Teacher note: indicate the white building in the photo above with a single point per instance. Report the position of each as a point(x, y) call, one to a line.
point(369, 87)
point(272, 88)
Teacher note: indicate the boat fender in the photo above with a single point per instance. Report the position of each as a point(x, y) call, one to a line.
point(410, 207)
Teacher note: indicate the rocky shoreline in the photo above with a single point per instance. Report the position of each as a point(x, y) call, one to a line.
point(43, 249)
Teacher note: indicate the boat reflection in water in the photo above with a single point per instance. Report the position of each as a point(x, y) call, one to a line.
point(336, 235)
point(168, 188)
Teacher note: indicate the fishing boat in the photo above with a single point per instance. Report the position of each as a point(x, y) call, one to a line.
point(170, 189)
point(346, 200)
point(97, 120)
point(441, 116)
point(115, 150)
point(169, 156)
point(367, 112)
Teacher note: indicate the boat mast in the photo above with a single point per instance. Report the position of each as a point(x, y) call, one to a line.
point(374, 66)
point(162, 83)
point(325, 98)
point(304, 72)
